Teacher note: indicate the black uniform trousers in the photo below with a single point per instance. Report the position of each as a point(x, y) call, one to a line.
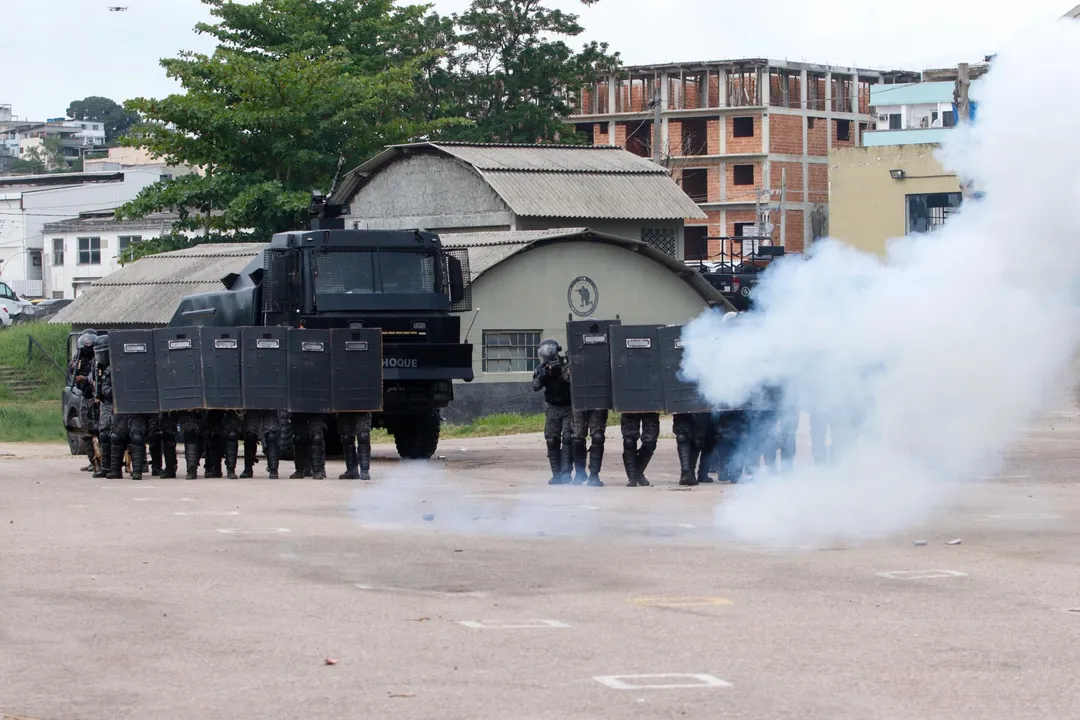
point(635, 426)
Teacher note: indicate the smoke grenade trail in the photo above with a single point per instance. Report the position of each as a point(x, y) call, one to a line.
point(927, 362)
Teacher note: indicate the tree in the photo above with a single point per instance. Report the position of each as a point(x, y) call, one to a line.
point(513, 76)
point(32, 164)
point(95, 108)
point(293, 87)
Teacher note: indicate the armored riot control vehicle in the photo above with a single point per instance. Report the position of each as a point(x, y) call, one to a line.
point(405, 283)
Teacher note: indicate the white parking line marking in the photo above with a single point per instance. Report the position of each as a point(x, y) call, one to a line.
point(227, 531)
point(511, 624)
point(160, 499)
point(1021, 516)
point(920, 574)
point(210, 513)
point(618, 682)
point(129, 487)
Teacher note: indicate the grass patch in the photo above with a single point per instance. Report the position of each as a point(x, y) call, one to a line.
point(13, 343)
point(31, 421)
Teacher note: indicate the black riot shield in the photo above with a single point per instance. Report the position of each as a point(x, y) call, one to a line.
point(309, 371)
point(356, 380)
point(680, 396)
point(589, 348)
point(221, 365)
point(179, 368)
point(135, 387)
point(636, 386)
point(264, 352)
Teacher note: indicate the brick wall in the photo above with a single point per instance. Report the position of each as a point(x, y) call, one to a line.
point(742, 193)
point(714, 137)
point(817, 137)
point(794, 179)
point(793, 230)
point(743, 144)
point(620, 134)
point(675, 148)
point(739, 83)
point(819, 183)
point(715, 173)
point(600, 134)
point(852, 132)
point(786, 134)
point(637, 97)
point(737, 216)
point(715, 91)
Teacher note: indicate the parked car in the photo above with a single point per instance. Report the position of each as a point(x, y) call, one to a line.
point(47, 308)
point(18, 308)
point(5, 316)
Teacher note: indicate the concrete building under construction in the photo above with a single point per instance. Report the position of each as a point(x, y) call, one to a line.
point(743, 138)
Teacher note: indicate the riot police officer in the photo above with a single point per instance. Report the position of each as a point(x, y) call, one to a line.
point(103, 395)
point(126, 430)
point(689, 441)
point(224, 428)
point(82, 368)
point(635, 426)
point(355, 431)
point(551, 377)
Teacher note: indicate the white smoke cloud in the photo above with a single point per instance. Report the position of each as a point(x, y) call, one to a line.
point(935, 356)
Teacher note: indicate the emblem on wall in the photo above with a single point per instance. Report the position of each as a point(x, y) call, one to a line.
point(583, 296)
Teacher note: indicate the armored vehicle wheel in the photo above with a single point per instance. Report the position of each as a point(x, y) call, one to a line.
point(417, 436)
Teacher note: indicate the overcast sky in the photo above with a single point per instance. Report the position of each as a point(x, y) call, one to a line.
point(91, 51)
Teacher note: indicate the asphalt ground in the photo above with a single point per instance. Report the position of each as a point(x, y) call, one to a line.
point(467, 588)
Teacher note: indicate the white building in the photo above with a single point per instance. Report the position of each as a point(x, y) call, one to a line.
point(29, 202)
point(82, 250)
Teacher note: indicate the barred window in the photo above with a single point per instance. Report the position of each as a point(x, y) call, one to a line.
point(510, 350)
point(662, 239)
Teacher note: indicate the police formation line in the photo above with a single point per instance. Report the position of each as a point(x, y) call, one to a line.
point(213, 387)
point(634, 370)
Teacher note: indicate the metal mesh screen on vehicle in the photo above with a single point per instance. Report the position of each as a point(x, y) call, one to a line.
point(271, 282)
point(464, 303)
point(351, 271)
point(663, 239)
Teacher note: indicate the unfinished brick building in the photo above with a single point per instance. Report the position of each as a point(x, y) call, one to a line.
point(737, 135)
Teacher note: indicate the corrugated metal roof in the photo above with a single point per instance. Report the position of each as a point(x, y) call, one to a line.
point(551, 158)
point(620, 196)
point(488, 249)
point(148, 290)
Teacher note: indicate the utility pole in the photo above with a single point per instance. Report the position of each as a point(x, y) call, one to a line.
point(963, 112)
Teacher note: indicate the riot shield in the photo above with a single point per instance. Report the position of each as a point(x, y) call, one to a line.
point(309, 371)
point(222, 389)
point(589, 348)
point(356, 380)
point(636, 386)
point(680, 396)
point(135, 387)
point(179, 368)
point(264, 352)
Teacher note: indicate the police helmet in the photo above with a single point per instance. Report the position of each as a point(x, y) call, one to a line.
point(101, 350)
point(86, 340)
point(548, 351)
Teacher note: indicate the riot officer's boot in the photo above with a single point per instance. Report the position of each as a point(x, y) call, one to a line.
point(155, 454)
point(106, 456)
point(596, 459)
point(300, 459)
point(629, 459)
point(364, 455)
point(138, 457)
point(579, 451)
point(348, 443)
point(318, 457)
point(686, 463)
point(191, 455)
point(273, 452)
point(644, 455)
point(116, 457)
point(92, 466)
point(232, 449)
point(168, 457)
point(554, 454)
point(251, 455)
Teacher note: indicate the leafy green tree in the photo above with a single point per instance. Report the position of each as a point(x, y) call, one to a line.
point(513, 73)
point(95, 108)
point(32, 164)
point(295, 89)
